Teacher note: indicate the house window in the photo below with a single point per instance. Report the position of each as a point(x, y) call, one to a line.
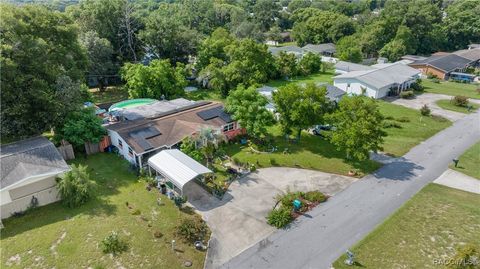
point(130, 151)
point(120, 144)
point(228, 127)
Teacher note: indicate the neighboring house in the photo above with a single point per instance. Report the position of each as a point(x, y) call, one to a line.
point(342, 67)
point(297, 51)
point(141, 138)
point(333, 93)
point(408, 59)
point(442, 65)
point(471, 54)
point(326, 49)
point(28, 171)
point(378, 81)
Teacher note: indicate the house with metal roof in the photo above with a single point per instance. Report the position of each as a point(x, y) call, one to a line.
point(442, 64)
point(297, 51)
point(342, 67)
point(325, 49)
point(379, 81)
point(28, 171)
point(139, 139)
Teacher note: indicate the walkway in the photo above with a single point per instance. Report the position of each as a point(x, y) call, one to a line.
point(353, 213)
point(457, 180)
point(238, 221)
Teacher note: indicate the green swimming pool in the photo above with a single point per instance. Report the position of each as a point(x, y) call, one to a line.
point(131, 103)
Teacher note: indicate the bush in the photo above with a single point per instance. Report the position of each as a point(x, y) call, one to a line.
point(435, 80)
point(431, 76)
point(113, 244)
point(466, 257)
point(279, 218)
point(288, 198)
point(425, 110)
point(417, 85)
point(315, 196)
point(391, 124)
point(75, 187)
point(192, 229)
point(389, 118)
point(460, 101)
point(407, 94)
point(403, 119)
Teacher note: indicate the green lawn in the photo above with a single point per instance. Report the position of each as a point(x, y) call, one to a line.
point(110, 95)
point(319, 77)
point(311, 152)
point(54, 236)
point(400, 140)
point(434, 223)
point(469, 163)
point(447, 104)
point(452, 88)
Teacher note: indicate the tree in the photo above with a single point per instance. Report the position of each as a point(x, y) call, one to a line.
point(38, 46)
point(298, 4)
point(462, 24)
point(157, 80)
point(309, 64)
point(264, 13)
point(274, 34)
point(75, 186)
point(213, 47)
point(348, 50)
point(168, 36)
point(81, 127)
point(301, 107)
point(100, 57)
point(358, 123)
point(214, 77)
point(287, 64)
point(70, 96)
point(321, 27)
point(247, 107)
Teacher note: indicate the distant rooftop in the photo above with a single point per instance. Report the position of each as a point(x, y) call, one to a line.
point(444, 62)
point(348, 66)
point(154, 109)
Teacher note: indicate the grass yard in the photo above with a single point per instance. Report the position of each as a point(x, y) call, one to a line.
point(432, 225)
point(54, 236)
point(452, 88)
point(311, 152)
point(418, 128)
point(469, 163)
point(319, 77)
point(110, 95)
point(447, 104)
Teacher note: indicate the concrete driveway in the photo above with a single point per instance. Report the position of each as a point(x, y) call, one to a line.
point(238, 220)
point(429, 99)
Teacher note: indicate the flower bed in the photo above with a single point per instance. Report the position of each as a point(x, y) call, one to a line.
point(286, 212)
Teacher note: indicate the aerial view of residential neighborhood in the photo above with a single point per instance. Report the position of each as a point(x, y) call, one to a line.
point(240, 134)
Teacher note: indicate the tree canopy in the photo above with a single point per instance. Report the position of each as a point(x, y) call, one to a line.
point(359, 127)
point(81, 127)
point(247, 107)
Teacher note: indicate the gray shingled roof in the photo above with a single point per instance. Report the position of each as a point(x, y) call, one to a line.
point(320, 48)
point(471, 54)
point(445, 62)
point(349, 67)
point(275, 51)
point(29, 158)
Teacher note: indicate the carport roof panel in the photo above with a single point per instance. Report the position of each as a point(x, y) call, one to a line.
point(177, 166)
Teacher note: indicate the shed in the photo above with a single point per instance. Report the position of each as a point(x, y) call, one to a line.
point(177, 168)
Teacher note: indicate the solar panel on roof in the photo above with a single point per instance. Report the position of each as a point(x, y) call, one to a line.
point(145, 133)
point(214, 113)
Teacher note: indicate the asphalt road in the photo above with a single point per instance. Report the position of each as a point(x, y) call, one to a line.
point(333, 227)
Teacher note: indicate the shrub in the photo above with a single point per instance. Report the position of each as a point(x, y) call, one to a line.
point(435, 80)
point(279, 218)
point(466, 257)
point(253, 168)
point(75, 186)
point(192, 229)
point(403, 119)
point(460, 101)
point(112, 244)
point(407, 94)
point(425, 110)
point(391, 124)
point(389, 118)
point(315, 196)
point(417, 85)
point(431, 76)
point(288, 198)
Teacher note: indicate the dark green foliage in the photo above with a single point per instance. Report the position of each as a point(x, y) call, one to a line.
point(407, 94)
point(309, 64)
point(113, 244)
point(75, 187)
point(425, 110)
point(188, 147)
point(38, 47)
point(279, 218)
point(81, 127)
point(192, 229)
point(391, 124)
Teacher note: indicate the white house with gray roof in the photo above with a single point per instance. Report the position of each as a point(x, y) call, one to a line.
point(378, 80)
point(28, 171)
